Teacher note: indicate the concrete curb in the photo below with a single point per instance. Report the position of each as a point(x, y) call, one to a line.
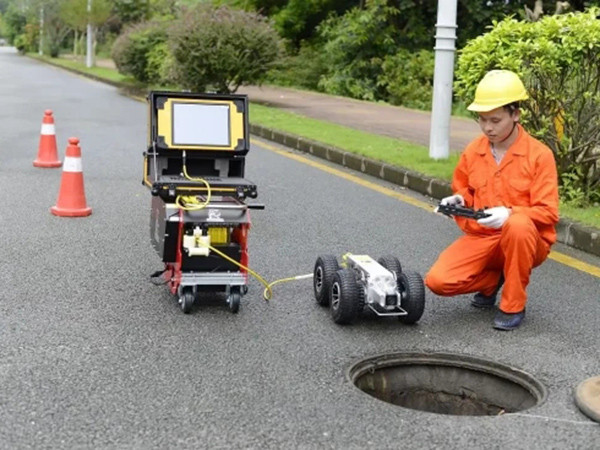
point(570, 233)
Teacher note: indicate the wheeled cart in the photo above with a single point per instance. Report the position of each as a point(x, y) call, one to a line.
point(194, 167)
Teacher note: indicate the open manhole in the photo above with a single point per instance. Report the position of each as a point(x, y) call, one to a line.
point(447, 384)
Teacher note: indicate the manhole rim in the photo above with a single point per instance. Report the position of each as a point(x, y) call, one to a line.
point(359, 367)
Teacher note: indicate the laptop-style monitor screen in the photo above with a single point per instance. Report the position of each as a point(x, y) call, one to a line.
point(200, 124)
point(187, 123)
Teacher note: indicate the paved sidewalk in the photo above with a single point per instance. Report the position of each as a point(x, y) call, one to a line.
point(378, 118)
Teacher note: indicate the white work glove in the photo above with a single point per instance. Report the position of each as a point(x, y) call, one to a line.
point(498, 216)
point(453, 200)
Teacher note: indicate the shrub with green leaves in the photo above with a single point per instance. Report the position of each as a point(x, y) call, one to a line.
point(135, 45)
point(408, 78)
point(29, 40)
point(20, 42)
point(159, 63)
point(219, 48)
point(303, 69)
point(558, 59)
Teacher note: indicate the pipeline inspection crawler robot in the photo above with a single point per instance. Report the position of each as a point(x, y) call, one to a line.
point(381, 285)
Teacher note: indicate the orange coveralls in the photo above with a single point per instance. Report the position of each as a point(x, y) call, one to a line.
point(525, 181)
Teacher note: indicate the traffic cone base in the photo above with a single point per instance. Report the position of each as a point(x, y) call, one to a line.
point(71, 197)
point(65, 212)
point(47, 153)
point(47, 164)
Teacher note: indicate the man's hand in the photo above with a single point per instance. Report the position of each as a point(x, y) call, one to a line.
point(498, 216)
point(453, 200)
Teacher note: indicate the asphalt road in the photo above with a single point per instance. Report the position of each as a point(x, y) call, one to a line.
point(92, 355)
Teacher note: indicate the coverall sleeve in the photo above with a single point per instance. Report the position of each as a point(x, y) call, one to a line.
point(543, 193)
point(460, 185)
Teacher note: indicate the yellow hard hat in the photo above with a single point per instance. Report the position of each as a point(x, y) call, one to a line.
point(496, 89)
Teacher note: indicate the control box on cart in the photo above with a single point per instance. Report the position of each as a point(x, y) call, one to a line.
point(194, 166)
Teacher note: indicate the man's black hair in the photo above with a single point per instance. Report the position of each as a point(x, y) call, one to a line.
point(512, 107)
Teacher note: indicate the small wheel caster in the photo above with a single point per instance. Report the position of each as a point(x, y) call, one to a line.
point(234, 302)
point(186, 301)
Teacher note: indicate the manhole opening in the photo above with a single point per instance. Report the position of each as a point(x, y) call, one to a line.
point(447, 384)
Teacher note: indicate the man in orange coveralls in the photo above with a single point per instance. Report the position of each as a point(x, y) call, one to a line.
point(513, 177)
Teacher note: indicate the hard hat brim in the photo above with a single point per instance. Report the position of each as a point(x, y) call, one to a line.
point(478, 107)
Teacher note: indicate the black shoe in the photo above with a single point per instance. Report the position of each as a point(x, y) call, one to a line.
point(487, 301)
point(507, 321)
point(483, 301)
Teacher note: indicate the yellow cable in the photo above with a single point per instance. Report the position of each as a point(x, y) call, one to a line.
point(257, 276)
point(188, 197)
point(268, 292)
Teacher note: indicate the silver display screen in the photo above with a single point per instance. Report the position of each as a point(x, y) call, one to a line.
point(201, 124)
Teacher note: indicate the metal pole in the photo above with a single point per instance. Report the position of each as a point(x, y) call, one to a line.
point(89, 56)
point(439, 138)
point(41, 49)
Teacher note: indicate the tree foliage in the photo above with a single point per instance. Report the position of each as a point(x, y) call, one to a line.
point(558, 57)
point(298, 20)
point(75, 14)
point(407, 78)
point(355, 46)
point(132, 11)
point(14, 22)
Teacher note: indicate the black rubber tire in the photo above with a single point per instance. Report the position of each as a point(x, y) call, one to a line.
point(325, 269)
point(347, 299)
point(392, 264)
point(234, 302)
point(412, 296)
point(187, 300)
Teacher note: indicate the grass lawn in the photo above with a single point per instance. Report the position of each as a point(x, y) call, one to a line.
point(393, 151)
point(101, 72)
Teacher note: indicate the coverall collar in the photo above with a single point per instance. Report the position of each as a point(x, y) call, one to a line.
point(514, 149)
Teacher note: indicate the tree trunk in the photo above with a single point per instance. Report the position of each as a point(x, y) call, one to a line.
point(538, 10)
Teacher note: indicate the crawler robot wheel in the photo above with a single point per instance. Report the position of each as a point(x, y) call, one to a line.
point(186, 301)
point(412, 296)
point(391, 263)
point(346, 298)
point(325, 269)
point(234, 301)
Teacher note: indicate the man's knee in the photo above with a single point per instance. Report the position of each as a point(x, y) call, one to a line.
point(435, 282)
point(519, 225)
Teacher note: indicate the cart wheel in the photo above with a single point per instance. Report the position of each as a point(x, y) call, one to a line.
point(234, 302)
point(412, 296)
point(347, 300)
point(325, 269)
point(391, 263)
point(186, 301)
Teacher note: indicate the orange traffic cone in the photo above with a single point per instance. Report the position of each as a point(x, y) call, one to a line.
point(71, 197)
point(47, 154)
